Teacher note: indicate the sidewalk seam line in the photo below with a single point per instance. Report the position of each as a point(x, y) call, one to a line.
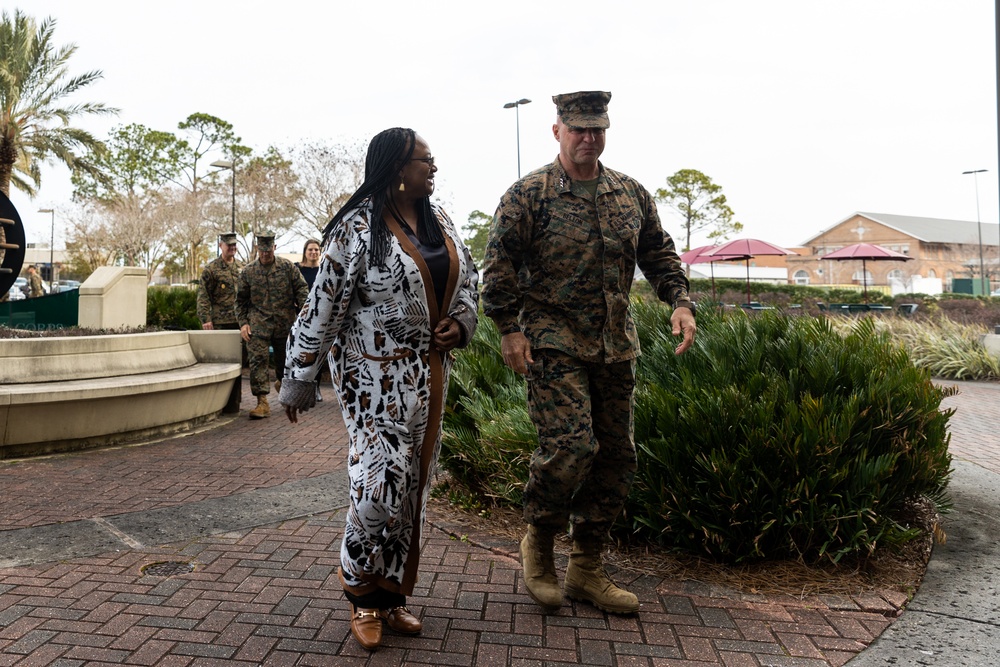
point(124, 537)
point(941, 614)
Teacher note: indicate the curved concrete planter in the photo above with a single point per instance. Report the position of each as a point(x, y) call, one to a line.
point(64, 394)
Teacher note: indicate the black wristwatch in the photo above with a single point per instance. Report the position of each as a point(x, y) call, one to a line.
point(687, 303)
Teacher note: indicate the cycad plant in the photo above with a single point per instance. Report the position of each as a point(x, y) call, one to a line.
point(488, 436)
point(777, 437)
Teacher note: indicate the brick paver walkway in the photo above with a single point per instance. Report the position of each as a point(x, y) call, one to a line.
point(269, 595)
point(975, 426)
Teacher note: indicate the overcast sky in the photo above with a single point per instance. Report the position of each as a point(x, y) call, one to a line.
point(803, 111)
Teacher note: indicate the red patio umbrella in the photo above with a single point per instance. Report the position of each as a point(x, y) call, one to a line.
point(745, 249)
point(697, 256)
point(692, 256)
point(865, 252)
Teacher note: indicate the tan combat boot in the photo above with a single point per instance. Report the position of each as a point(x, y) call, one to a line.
point(540, 569)
point(263, 410)
point(587, 581)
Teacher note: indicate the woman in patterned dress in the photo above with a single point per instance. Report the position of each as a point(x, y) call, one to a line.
point(395, 293)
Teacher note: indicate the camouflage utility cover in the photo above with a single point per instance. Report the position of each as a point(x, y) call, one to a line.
point(586, 109)
point(560, 265)
point(35, 286)
point(265, 241)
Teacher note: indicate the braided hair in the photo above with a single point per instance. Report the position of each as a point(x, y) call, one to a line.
point(387, 152)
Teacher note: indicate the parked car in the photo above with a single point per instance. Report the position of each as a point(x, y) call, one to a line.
point(15, 293)
point(21, 283)
point(995, 292)
point(66, 285)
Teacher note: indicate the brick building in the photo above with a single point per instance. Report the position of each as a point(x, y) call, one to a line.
point(941, 249)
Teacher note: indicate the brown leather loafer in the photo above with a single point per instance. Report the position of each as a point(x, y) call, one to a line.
point(366, 626)
point(399, 619)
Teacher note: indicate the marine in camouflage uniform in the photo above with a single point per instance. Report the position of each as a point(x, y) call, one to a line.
point(271, 291)
point(560, 260)
point(217, 288)
point(35, 286)
point(217, 302)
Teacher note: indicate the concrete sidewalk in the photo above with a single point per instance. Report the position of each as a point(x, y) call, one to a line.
point(954, 619)
point(221, 547)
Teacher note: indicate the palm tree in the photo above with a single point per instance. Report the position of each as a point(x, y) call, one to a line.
point(34, 118)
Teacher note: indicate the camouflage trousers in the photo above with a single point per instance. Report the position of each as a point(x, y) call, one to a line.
point(257, 354)
point(583, 468)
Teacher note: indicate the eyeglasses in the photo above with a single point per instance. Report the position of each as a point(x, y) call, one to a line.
point(428, 160)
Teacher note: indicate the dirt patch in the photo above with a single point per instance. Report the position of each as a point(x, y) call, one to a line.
point(887, 570)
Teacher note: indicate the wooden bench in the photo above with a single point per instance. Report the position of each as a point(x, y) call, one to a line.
point(76, 392)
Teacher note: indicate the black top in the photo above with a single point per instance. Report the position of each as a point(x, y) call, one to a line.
point(438, 262)
point(309, 273)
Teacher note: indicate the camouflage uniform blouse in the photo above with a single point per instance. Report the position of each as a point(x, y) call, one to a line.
point(217, 292)
point(560, 265)
point(35, 286)
point(269, 297)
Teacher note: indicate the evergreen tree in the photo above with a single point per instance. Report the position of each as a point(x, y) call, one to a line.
point(700, 203)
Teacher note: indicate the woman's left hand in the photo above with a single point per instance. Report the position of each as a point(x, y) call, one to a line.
point(447, 334)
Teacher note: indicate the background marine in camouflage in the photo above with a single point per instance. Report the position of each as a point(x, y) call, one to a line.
point(217, 302)
point(217, 287)
point(271, 292)
point(35, 286)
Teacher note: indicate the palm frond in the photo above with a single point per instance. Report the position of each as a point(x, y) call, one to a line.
point(34, 82)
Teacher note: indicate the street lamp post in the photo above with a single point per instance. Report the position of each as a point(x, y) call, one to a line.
point(982, 270)
point(231, 166)
point(517, 119)
point(52, 246)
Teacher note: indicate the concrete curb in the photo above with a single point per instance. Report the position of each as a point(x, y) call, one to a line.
point(954, 619)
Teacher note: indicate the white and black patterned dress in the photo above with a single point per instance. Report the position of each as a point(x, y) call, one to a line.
point(377, 324)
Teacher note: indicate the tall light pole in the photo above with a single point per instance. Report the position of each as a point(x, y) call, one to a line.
point(52, 247)
point(231, 166)
point(979, 225)
point(517, 117)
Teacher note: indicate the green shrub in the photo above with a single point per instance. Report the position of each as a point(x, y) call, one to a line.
point(777, 437)
point(963, 308)
point(488, 437)
point(773, 437)
point(172, 307)
point(728, 290)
